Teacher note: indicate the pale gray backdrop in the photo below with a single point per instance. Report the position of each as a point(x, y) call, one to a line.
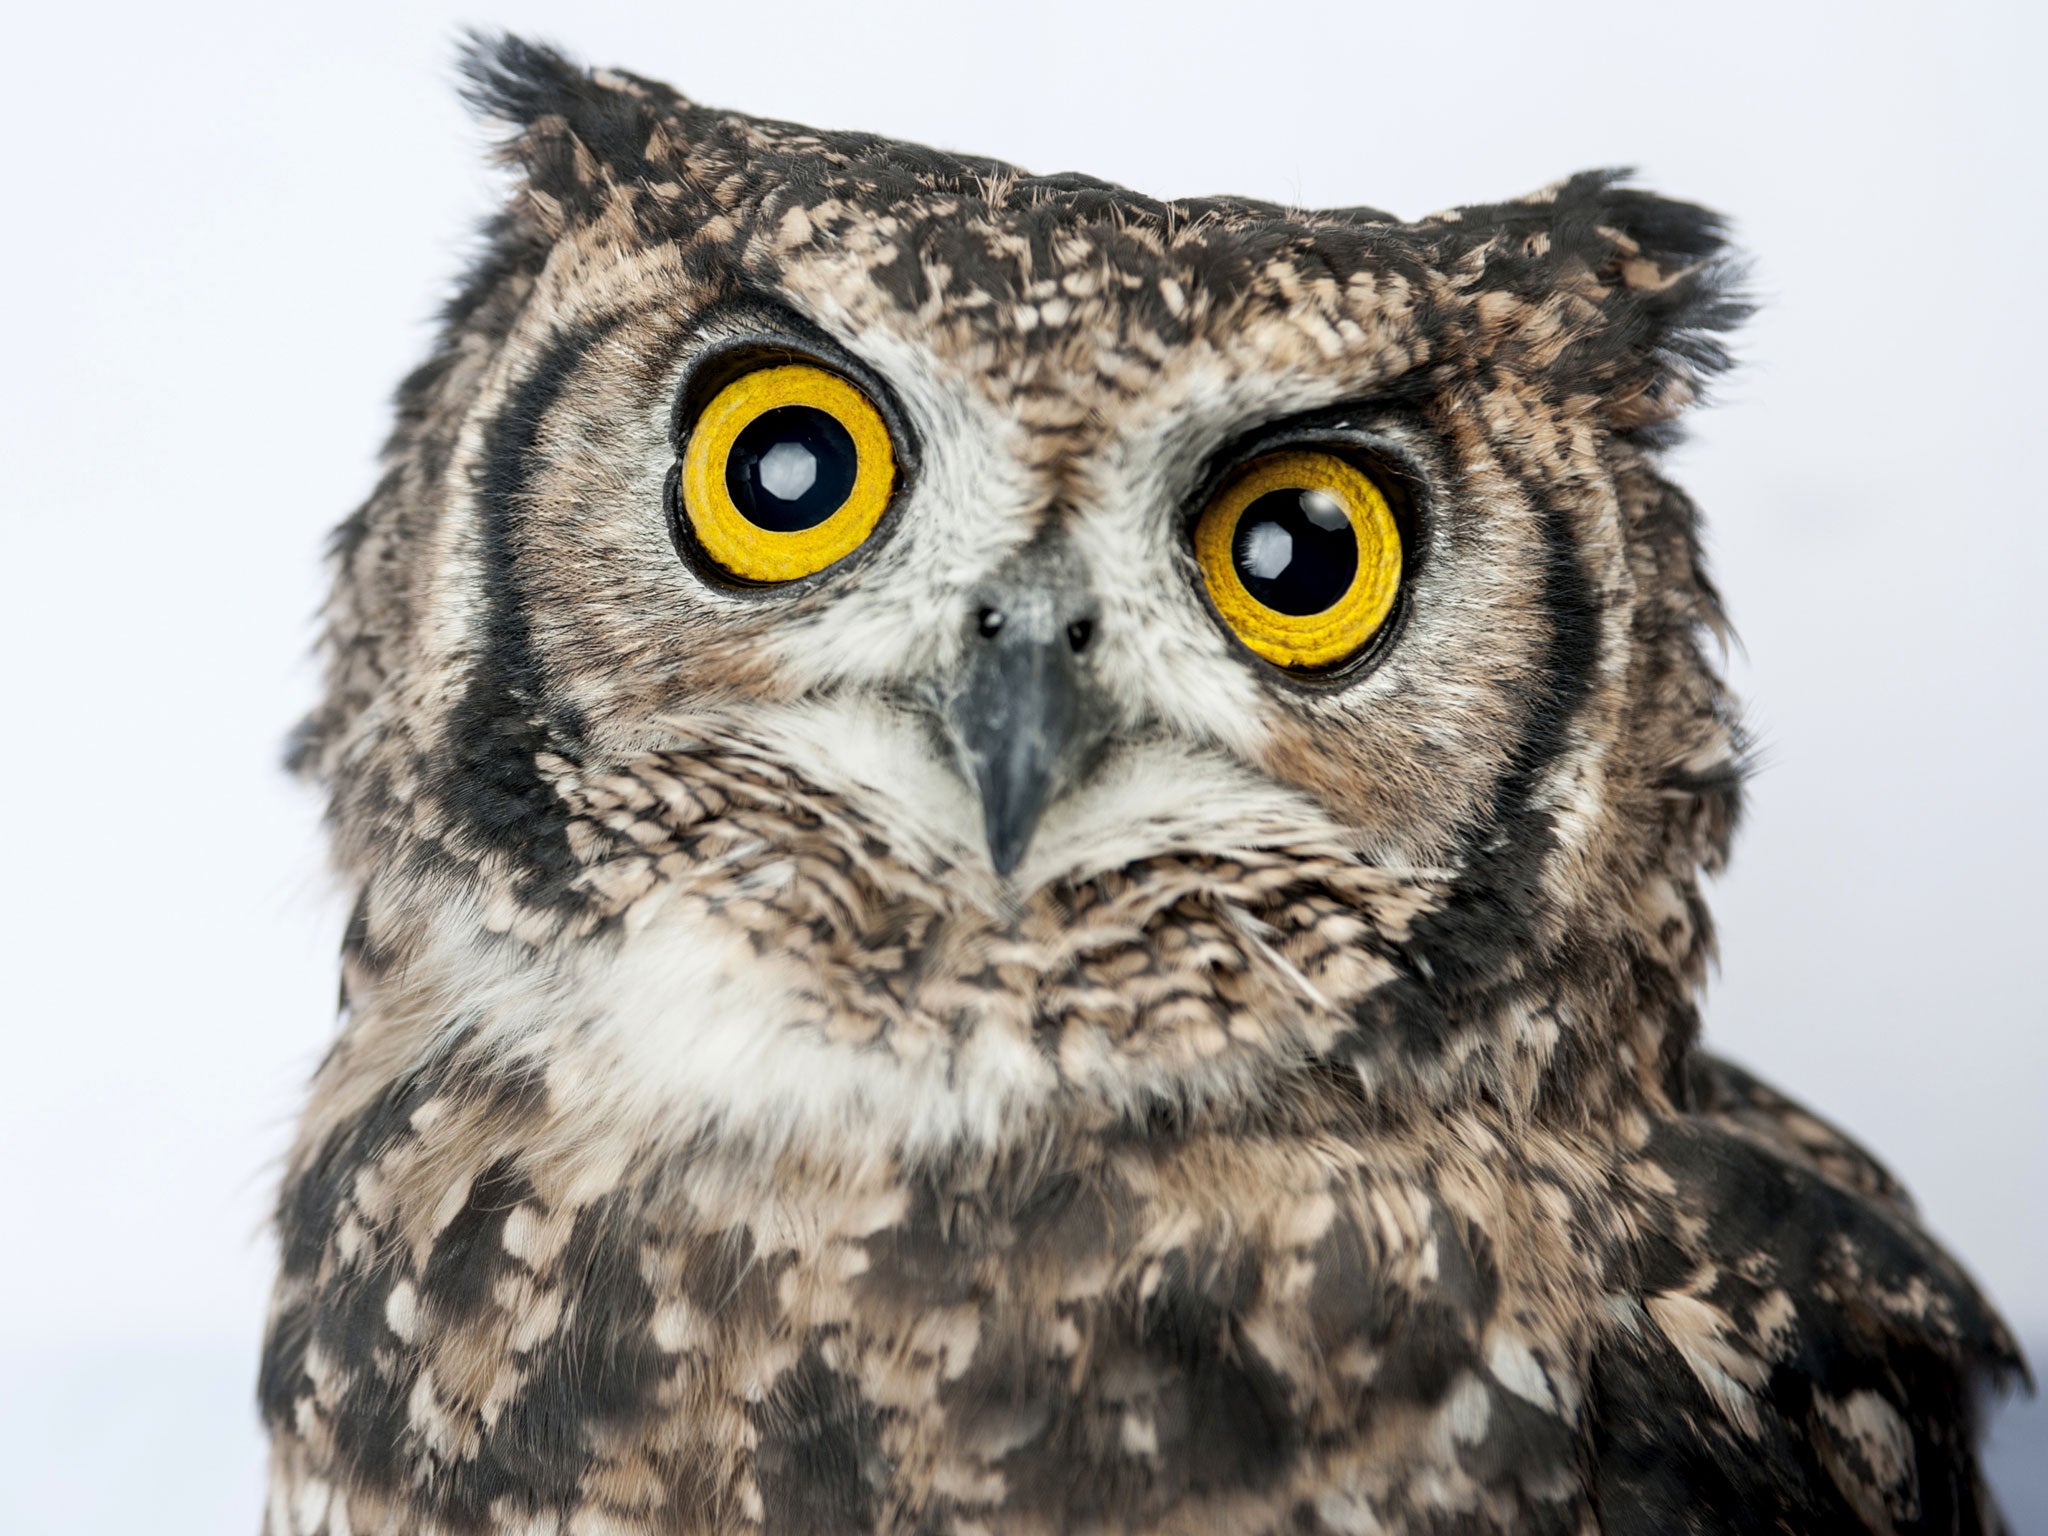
point(226, 227)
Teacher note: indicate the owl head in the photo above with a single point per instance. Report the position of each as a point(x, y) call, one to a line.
point(862, 645)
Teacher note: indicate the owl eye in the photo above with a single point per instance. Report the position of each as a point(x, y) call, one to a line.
point(1302, 558)
point(786, 471)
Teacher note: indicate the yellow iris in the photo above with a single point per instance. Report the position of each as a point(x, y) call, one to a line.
point(1302, 558)
point(787, 470)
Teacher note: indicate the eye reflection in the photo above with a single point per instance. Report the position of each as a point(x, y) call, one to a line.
point(1268, 551)
point(1321, 508)
point(1296, 551)
point(791, 469)
point(788, 470)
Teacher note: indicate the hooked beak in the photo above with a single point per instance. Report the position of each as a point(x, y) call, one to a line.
point(1027, 718)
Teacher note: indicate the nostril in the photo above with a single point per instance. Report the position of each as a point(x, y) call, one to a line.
point(1079, 633)
point(989, 623)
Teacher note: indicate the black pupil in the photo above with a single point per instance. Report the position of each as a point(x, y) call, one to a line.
point(1295, 551)
point(791, 468)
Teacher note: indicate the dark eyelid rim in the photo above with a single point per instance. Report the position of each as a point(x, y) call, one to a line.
point(760, 332)
point(1354, 431)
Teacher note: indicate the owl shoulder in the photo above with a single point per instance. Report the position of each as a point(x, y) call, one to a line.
point(1795, 1353)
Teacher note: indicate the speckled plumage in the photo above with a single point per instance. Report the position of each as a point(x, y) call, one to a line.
point(1311, 1137)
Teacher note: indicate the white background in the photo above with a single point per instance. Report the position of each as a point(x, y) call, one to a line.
point(226, 227)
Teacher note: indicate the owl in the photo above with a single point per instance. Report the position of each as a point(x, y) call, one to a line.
point(1027, 860)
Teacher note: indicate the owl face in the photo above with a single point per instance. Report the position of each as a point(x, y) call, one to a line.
point(858, 639)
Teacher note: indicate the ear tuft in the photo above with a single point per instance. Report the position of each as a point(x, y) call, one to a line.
point(518, 82)
point(572, 127)
point(1659, 273)
point(1676, 290)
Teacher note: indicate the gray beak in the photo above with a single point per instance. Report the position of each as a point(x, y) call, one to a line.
point(1027, 718)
